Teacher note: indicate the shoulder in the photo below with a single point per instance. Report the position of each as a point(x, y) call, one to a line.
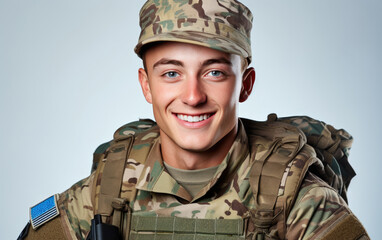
point(45, 221)
point(76, 207)
point(138, 130)
point(320, 211)
point(315, 192)
point(62, 216)
point(51, 230)
point(68, 215)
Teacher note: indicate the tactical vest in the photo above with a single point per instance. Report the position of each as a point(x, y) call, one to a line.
point(274, 188)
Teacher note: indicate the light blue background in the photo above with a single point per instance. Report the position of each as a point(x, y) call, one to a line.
point(68, 79)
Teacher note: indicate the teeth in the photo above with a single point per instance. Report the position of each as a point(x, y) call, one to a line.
point(188, 118)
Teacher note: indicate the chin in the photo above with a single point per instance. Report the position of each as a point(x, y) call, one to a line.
point(195, 147)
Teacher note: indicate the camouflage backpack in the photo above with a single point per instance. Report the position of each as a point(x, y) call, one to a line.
point(274, 196)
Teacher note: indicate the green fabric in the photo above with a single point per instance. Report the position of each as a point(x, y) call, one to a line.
point(349, 228)
point(192, 180)
point(179, 236)
point(188, 228)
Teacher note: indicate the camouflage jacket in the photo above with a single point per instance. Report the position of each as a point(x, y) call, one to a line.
point(317, 210)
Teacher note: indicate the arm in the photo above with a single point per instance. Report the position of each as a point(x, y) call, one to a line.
point(321, 213)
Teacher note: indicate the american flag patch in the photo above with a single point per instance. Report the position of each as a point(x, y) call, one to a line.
point(43, 212)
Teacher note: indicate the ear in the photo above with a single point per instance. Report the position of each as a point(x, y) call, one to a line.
point(144, 81)
point(247, 84)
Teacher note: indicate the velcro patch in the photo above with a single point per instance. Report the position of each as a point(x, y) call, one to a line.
point(43, 212)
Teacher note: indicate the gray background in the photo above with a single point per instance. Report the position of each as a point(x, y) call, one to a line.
point(68, 79)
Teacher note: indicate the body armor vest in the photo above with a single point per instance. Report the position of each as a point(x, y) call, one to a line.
point(273, 188)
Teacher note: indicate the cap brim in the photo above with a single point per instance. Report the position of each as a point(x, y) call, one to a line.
point(197, 38)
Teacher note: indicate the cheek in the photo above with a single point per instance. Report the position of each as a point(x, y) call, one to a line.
point(162, 95)
point(229, 93)
point(238, 86)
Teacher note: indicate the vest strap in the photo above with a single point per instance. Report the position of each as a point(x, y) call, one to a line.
point(113, 173)
point(274, 148)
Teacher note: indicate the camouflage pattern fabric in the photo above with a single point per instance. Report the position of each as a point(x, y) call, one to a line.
point(316, 207)
point(76, 208)
point(224, 25)
point(332, 147)
point(227, 196)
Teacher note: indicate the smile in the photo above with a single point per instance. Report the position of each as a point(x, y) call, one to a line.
point(193, 119)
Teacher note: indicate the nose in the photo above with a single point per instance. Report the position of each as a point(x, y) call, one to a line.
point(193, 93)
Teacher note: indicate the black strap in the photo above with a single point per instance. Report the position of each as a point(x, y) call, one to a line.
point(24, 232)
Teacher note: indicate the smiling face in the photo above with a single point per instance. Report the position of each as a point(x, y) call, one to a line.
point(195, 92)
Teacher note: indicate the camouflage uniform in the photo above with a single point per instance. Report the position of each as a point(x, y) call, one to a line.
point(226, 208)
point(317, 209)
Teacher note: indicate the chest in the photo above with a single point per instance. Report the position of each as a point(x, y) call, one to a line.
point(228, 198)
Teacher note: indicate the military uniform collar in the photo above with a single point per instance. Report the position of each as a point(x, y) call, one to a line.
point(155, 178)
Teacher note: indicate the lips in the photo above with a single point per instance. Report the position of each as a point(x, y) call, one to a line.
point(193, 118)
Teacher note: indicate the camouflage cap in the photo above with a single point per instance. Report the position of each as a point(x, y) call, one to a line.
point(224, 25)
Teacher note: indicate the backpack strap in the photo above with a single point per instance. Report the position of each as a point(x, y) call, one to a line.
point(109, 162)
point(280, 161)
point(325, 154)
point(112, 172)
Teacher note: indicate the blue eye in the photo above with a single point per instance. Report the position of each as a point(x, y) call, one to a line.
point(171, 74)
point(215, 73)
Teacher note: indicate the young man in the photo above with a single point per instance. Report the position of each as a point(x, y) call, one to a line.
point(200, 172)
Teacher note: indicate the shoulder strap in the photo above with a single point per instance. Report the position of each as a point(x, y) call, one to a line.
point(110, 198)
point(111, 171)
point(280, 161)
point(110, 166)
point(275, 191)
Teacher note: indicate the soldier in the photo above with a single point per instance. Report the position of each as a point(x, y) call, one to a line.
point(199, 171)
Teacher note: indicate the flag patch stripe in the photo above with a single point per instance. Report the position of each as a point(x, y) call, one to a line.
point(43, 212)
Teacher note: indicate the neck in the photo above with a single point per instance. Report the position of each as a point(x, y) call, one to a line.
point(178, 157)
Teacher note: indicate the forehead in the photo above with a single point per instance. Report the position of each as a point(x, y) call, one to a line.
point(183, 51)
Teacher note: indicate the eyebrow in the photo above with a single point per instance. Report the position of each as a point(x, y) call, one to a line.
point(221, 60)
point(166, 61)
